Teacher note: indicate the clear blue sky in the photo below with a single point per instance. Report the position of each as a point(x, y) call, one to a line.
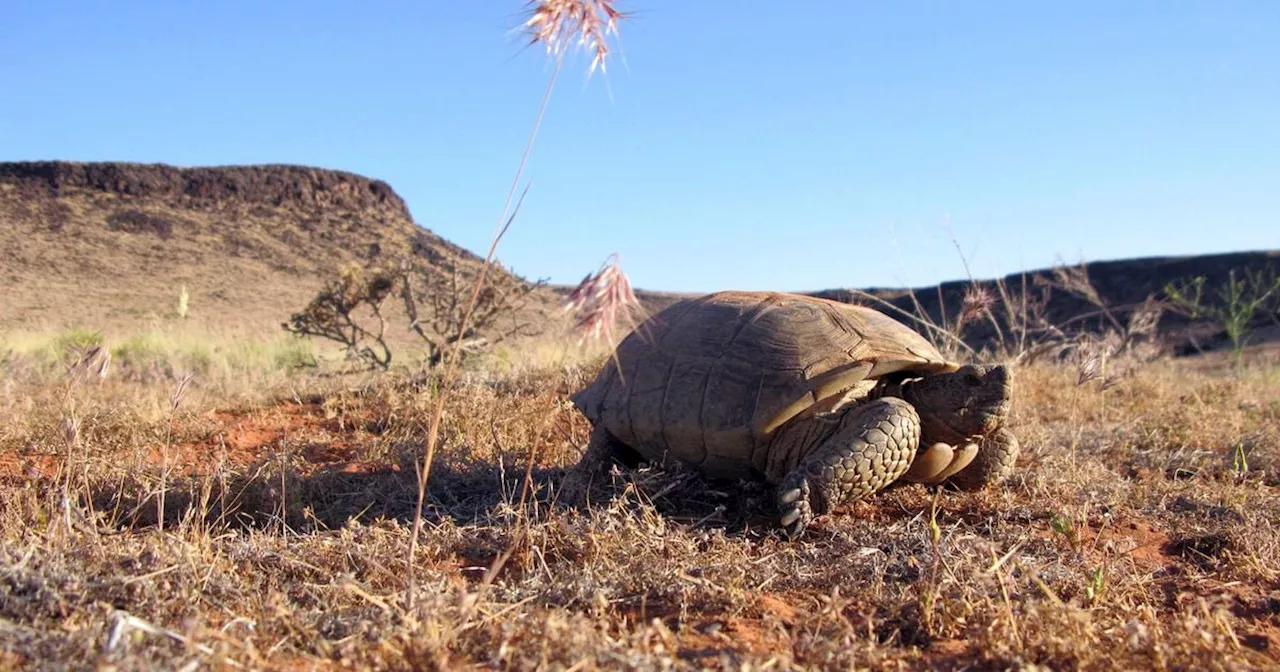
point(750, 145)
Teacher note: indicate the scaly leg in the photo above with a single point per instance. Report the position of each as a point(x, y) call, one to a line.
point(603, 450)
point(993, 463)
point(875, 446)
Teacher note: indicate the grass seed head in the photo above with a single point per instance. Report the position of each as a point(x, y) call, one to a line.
point(560, 23)
point(179, 389)
point(601, 300)
point(69, 430)
point(93, 361)
point(977, 302)
point(1075, 279)
point(1144, 319)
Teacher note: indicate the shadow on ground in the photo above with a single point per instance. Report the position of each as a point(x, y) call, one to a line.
point(474, 493)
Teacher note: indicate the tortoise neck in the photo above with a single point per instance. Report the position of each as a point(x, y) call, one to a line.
point(900, 388)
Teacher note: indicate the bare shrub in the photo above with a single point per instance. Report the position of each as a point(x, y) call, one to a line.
point(435, 298)
point(334, 313)
point(433, 293)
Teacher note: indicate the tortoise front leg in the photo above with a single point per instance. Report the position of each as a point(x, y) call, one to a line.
point(603, 449)
point(873, 447)
point(994, 462)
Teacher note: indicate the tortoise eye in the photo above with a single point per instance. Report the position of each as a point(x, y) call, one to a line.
point(972, 380)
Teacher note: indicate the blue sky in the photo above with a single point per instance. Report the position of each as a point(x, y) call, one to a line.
point(746, 145)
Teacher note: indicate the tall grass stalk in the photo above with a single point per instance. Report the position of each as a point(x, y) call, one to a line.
point(175, 400)
point(551, 22)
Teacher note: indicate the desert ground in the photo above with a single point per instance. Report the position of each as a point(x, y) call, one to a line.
point(1141, 529)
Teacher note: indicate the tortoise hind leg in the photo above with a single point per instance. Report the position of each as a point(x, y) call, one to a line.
point(872, 448)
point(992, 465)
point(603, 449)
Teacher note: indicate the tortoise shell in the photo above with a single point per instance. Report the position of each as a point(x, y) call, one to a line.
point(710, 380)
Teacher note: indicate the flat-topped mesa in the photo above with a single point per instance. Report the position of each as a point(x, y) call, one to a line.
point(273, 184)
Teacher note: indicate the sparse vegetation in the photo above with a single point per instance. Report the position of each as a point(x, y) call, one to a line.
point(1144, 542)
point(1012, 323)
point(1239, 302)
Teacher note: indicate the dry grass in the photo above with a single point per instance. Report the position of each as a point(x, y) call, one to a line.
point(1142, 530)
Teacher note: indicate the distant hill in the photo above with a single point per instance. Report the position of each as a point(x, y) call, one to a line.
point(1121, 285)
point(109, 245)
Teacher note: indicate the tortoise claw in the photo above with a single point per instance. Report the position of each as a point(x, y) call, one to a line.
point(794, 521)
point(794, 508)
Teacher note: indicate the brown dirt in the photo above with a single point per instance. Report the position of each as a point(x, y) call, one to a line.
point(240, 438)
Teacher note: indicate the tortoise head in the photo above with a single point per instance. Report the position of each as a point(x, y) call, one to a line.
point(966, 404)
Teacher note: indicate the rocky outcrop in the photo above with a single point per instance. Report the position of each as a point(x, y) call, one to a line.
point(299, 187)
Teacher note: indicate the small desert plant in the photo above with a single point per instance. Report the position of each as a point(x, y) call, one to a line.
point(1240, 301)
point(182, 302)
point(70, 343)
point(291, 355)
point(175, 400)
point(88, 362)
point(333, 313)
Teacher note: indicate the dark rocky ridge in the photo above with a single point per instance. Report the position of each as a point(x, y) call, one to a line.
point(276, 185)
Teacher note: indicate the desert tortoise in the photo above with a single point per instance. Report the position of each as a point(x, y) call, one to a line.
point(827, 401)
